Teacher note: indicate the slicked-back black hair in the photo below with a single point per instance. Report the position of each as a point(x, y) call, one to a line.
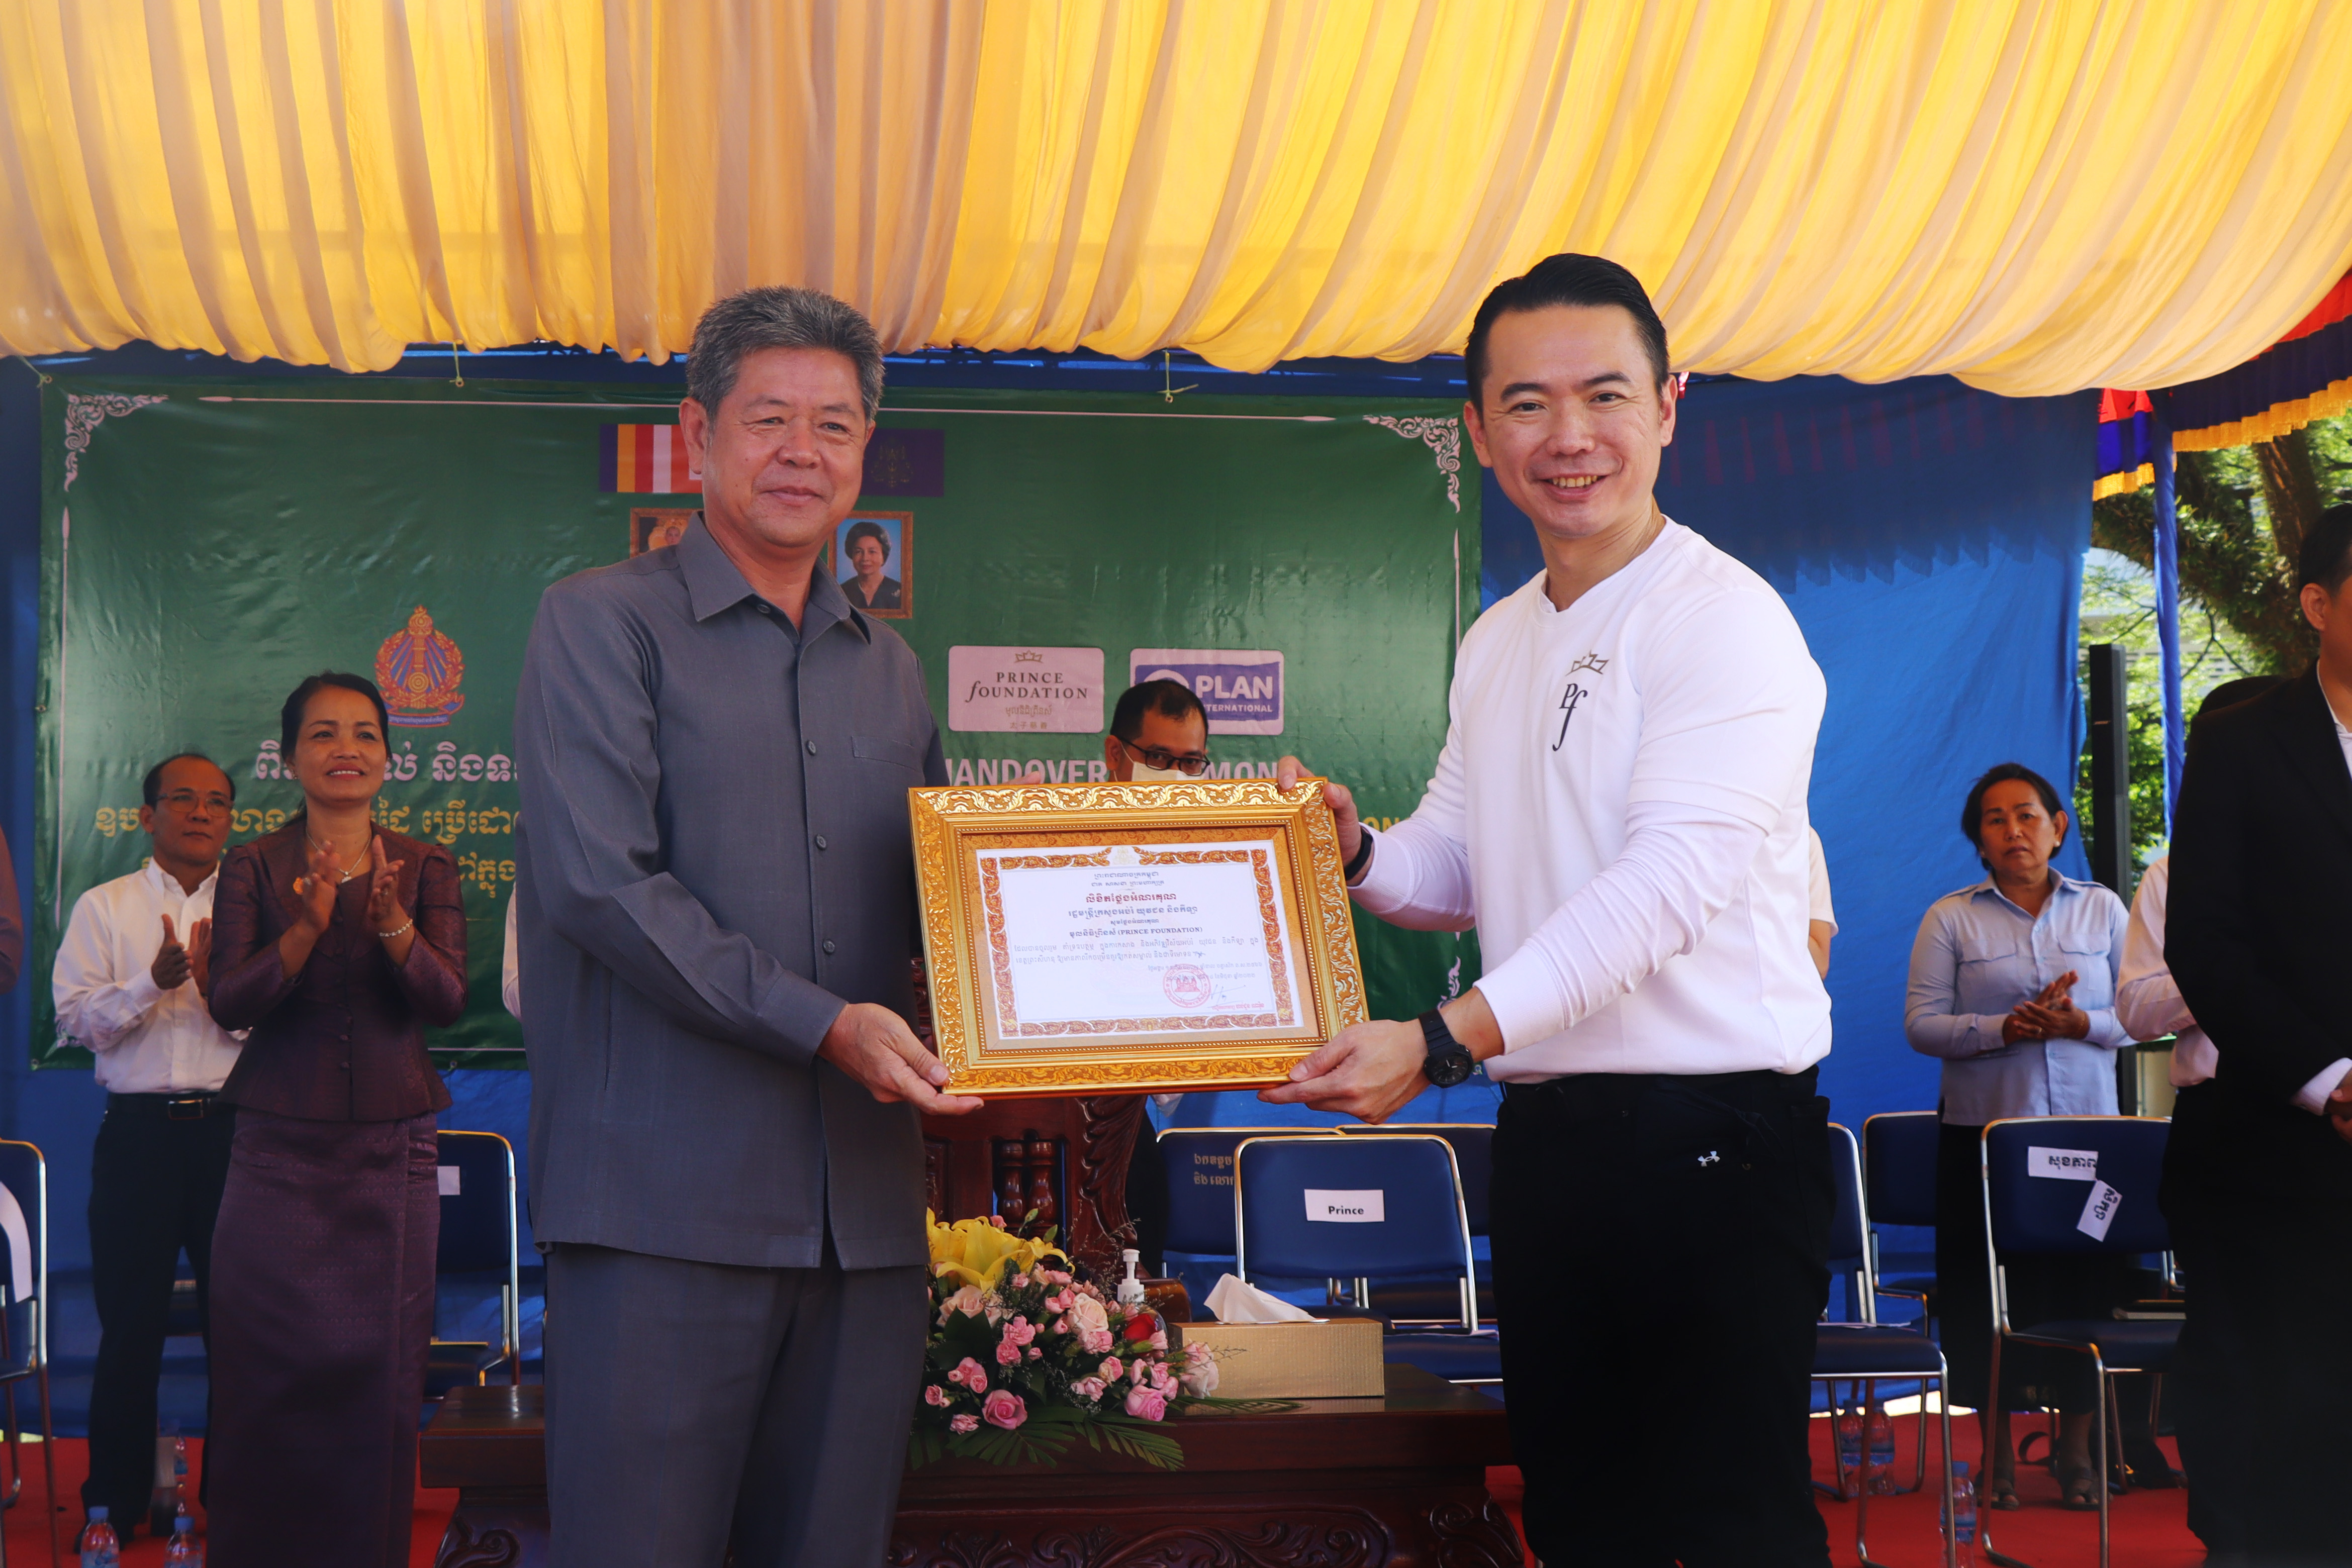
point(1567, 279)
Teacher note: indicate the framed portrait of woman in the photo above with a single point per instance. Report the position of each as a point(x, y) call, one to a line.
point(874, 561)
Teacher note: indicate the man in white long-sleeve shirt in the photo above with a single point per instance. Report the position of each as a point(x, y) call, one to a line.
point(130, 985)
point(1619, 811)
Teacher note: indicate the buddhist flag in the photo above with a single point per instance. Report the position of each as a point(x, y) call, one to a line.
point(645, 459)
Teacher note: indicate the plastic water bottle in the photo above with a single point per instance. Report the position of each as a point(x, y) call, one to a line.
point(1879, 1434)
point(185, 1550)
point(1960, 1524)
point(100, 1549)
point(1846, 1426)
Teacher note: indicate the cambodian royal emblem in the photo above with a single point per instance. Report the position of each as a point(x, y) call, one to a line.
point(417, 669)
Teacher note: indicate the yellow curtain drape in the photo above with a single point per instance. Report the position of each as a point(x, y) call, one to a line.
point(2034, 196)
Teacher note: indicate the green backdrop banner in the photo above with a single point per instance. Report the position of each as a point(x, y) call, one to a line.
point(1306, 566)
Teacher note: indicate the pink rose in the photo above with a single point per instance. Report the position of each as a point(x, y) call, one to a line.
point(1061, 1325)
point(1061, 1301)
point(1087, 1312)
point(1138, 1371)
point(1087, 1388)
point(1161, 1380)
point(1005, 1408)
point(1094, 1342)
point(1160, 1340)
point(935, 1395)
point(970, 1375)
point(1110, 1369)
point(960, 1425)
point(1020, 1331)
point(1148, 1404)
point(1034, 1353)
point(968, 1300)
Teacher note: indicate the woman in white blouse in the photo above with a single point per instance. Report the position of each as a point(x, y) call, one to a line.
point(2012, 985)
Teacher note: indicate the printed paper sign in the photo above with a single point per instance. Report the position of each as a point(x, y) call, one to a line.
point(1034, 691)
point(2099, 1210)
point(1326, 1207)
point(449, 1180)
point(1240, 687)
point(2064, 1165)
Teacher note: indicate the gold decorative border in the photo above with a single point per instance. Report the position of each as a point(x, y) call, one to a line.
point(949, 825)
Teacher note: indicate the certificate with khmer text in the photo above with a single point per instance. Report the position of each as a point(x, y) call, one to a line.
point(1094, 936)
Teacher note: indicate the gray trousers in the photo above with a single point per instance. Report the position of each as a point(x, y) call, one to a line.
point(692, 1403)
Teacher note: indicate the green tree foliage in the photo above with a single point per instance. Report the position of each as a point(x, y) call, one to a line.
point(2243, 512)
point(2242, 516)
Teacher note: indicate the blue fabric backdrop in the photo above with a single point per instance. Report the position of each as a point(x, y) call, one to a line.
point(1929, 539)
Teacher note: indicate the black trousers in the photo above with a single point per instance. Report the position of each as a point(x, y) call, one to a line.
point(1662, 1255)
point(2259, 1199)
point(154, 1190)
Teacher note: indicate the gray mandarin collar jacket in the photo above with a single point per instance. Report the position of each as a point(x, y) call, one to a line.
point(713, 858)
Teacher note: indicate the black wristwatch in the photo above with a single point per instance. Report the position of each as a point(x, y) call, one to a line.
point(1449, 1061)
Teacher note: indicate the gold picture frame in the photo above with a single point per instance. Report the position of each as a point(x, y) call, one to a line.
point(1239, 836)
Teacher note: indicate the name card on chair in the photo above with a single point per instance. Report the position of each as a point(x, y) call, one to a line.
point(1330, 1206)
point(2099, 1211)
point(2064, 1165)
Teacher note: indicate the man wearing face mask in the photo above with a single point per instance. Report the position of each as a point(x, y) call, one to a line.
point(1158, 735)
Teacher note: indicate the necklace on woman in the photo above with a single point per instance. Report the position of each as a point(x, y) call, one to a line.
point(329, 849)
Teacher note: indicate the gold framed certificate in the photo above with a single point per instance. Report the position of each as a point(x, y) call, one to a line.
point(1084, 939)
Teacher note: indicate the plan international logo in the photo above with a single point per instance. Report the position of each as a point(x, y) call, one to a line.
point(1241, 687)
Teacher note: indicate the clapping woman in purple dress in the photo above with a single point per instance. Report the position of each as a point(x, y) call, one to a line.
point(337, 942)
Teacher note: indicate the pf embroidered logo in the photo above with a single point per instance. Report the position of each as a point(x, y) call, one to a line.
point(1572, 693)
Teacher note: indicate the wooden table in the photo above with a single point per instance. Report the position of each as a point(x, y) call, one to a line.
point(1395, 1482)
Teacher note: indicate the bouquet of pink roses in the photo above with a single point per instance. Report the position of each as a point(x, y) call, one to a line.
point(1025, 1356)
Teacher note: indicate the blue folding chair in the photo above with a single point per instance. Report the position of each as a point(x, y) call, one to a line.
point(1474, 1158)
point(1899, 1153)
point(2038, 1202)
point(1373, 1206)
point(1199, 1166)
point(24, 1314)
point(478, 1240)
point(1867, 1352)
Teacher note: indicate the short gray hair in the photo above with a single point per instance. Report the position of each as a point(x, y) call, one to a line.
point(778, 318)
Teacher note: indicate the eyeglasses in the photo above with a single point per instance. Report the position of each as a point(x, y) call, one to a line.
point(1191, 763)
point(185, 801)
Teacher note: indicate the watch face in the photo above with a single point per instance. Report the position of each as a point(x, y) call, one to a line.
point(1449, 1068)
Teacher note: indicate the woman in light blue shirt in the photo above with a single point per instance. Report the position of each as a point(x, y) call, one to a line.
point(2013, 986)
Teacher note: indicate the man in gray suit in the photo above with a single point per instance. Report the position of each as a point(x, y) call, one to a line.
point(717, 911)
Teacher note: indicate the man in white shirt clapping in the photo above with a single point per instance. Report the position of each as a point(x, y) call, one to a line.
point(130, 985)
point(1620, 812)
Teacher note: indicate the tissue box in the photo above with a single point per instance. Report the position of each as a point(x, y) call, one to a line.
point(1336, 1360)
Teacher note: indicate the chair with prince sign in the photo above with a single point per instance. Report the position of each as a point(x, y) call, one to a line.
point(24, 1314)
point(2075, 1185)
point(1365, 1206)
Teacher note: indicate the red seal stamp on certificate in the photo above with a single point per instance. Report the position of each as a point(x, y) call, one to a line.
point(1187, 985)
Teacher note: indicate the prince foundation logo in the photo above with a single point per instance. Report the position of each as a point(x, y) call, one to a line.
point(1571, 694)
point(418, 669)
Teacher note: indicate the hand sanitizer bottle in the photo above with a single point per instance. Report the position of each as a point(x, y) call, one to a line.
point(1130, 1289)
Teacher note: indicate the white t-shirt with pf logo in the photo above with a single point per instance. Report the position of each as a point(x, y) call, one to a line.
point(1619, 811)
